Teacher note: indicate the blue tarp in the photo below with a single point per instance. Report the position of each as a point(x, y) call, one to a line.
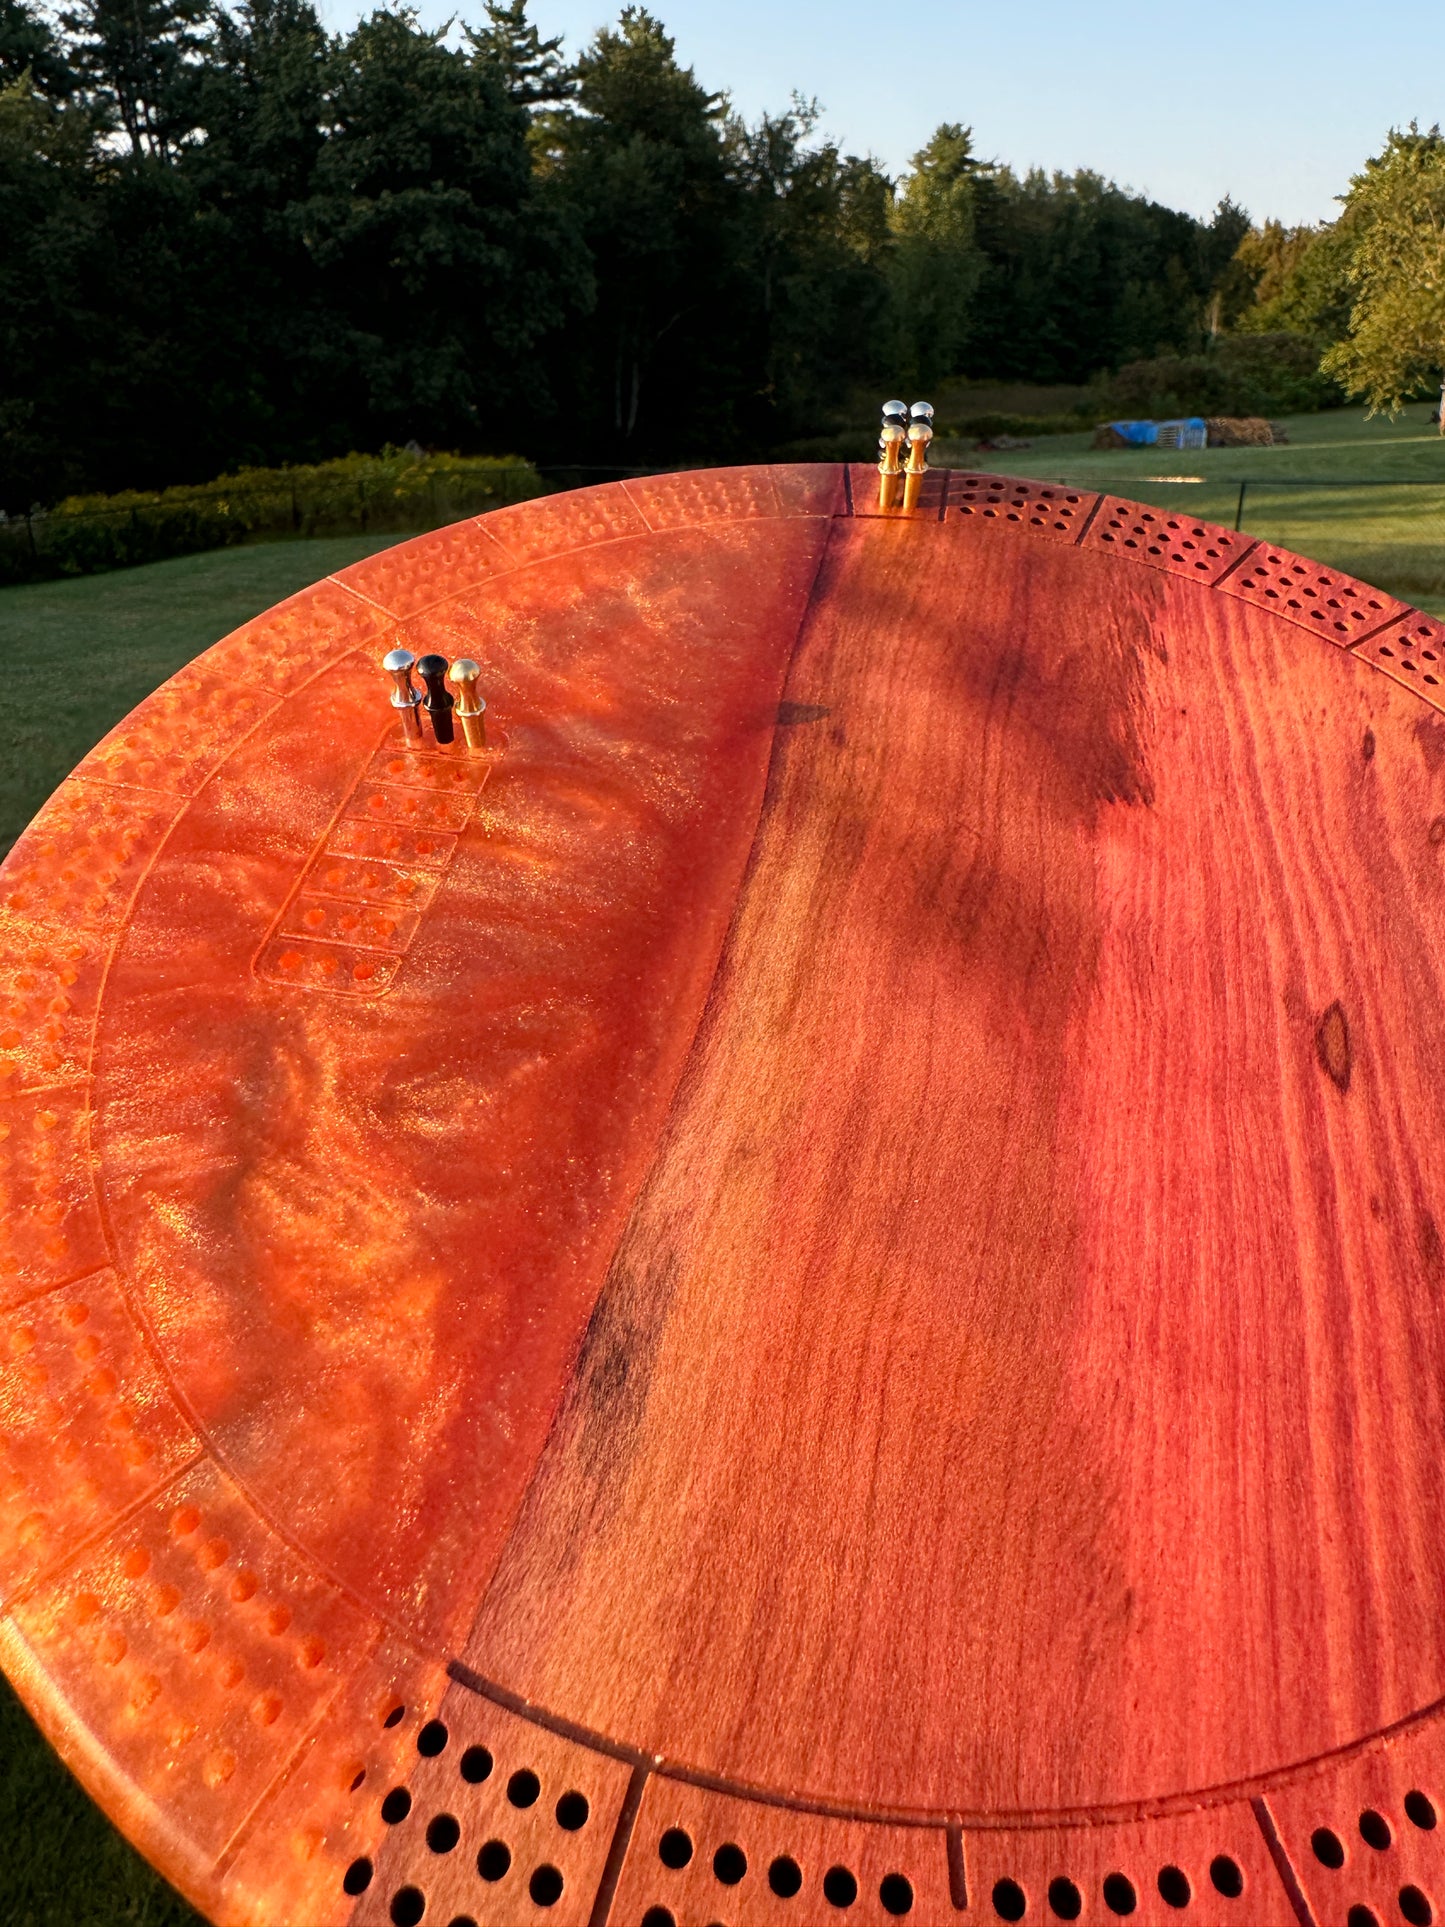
point(1188, 432)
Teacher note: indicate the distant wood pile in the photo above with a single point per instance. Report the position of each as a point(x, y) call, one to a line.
point(1242, 431)
point(1221, 431)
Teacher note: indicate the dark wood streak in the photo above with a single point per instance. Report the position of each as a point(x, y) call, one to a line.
point(1332, 1042)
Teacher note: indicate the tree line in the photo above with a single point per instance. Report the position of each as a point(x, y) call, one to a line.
point(229, 237)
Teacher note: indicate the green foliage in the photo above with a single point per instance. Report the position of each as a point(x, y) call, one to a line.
point(1239, 375)
point(30, 50)
point(1394, 225)
point(137, 57)
point(937, 262)
point(999, 421)
point(1299, 281)
point(1082, 276)
point(367, 493)
point(531, 69)
point(1244, 374)
point(233, 237)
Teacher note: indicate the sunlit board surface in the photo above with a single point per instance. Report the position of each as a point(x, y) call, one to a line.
point(810, 1289)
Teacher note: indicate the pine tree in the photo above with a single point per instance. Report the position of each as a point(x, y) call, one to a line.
point(137, 58)
point(28, 46)
point(532, 69)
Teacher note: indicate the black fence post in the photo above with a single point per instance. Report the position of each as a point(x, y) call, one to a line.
point(1239, 507)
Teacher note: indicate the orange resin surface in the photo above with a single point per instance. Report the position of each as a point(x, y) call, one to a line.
point(812, 1288)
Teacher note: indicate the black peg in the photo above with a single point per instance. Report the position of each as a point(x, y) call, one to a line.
point(438, 700)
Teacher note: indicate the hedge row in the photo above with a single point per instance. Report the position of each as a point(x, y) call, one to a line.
point(394, 491)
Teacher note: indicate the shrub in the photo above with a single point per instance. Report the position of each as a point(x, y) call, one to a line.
point(396, 490)
point(1246, 374)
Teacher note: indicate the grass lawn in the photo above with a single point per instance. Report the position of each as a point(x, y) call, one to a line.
point(77, 655)
point(1390, 531)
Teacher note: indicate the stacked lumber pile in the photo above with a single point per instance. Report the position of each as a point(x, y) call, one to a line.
point(1240, 431)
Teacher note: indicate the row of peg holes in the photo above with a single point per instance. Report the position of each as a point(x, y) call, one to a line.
point(1010, 1902)
point(785, 1877)
point(443, 1831)
point(1376, 1832)
point(1407, 660)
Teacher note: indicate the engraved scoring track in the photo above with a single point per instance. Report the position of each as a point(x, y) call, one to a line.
point(250, 1674)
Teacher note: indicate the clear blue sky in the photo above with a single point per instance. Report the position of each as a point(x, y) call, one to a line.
point(1275, 103)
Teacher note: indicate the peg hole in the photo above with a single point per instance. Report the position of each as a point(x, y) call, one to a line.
point(476, 1765)
point(1420, 1809)
point(1327, 1846)
point(408, 1904)
point(1119, 1894)
point(357, 1877)
point(1415, 1907)
point(545, 1886)
point(729, 1863)
point(1065, 1899)
point(1375, 1830)
point(896, 1894)
point(1174, 1888)
point(443, 1833)
point(396, 1806)
point(572, 1812)
point(432, 1739)
point(1226, 1876)
point(494, 1860)
point(785, 1876)
point(1009, 1900)
point(840, 1889)
point(523, 1788)
point(675, 1848)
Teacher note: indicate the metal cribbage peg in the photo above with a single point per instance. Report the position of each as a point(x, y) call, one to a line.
point(405, 696)
point(920, 434)
point(471, 709)
point(437, 701)
point(891, 438)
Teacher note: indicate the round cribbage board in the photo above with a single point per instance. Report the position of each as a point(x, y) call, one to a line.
point(812, 1289)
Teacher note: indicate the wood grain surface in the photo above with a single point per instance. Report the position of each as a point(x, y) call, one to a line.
point(812, 1290)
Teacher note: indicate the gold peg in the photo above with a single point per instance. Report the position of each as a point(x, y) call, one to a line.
point(470, 711)
point(920, 434)
point(890, 452)
point(405, 696)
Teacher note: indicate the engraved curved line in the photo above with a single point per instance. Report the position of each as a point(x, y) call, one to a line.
point(1022, 1819)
